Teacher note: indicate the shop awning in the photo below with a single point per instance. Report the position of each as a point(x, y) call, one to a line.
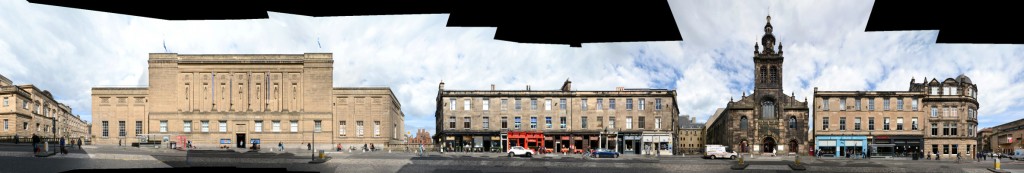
point(854, 143)
point(827, 143)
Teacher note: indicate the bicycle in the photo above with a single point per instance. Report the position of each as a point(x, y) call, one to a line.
point(587, 155)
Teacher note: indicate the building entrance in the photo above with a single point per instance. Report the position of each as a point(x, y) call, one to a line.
point(769, 145)
point(241, 140)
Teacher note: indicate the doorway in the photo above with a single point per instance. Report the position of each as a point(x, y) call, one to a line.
point(241, 140)
point(793, 146)
point(769, 144)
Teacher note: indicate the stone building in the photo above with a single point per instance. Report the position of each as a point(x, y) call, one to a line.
point(240, 99)
point(422, 137)
point(690, 137)
point(1007, 137)
point(985, 140)
point(899, 123)
point(29, 110)
point(767, 121)
point(625, 120)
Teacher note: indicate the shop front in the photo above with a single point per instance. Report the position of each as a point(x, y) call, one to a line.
point(896, 146)
point(655, 143)
point(841, 146)
point(632, 143)
point(471, 142)
point(530, 140)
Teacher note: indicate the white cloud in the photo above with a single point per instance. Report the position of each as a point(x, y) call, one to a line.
point(69, 51)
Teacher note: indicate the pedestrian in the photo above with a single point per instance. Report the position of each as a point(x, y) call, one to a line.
point(35, 143)
point(365, 147)
point(372, 148)
point(421, 149)
point(309, 146)
point(16, 139)
point(62, 149)
point(79, 143)
point(280, 145)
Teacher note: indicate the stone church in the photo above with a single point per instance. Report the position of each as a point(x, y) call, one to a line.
point(767, 121)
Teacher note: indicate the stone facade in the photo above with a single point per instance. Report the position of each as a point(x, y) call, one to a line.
point(690, 138)
point(1007, 137)
point(422, 137)
point(930, 117)
point(28, 110)
point(626, 120)
point(767, 121)
point(238, 98)
point(985, 140)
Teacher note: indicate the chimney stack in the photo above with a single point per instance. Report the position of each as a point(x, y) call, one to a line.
point(441, 86)
point(527, 87)
point(620, 88)
point(492, 87)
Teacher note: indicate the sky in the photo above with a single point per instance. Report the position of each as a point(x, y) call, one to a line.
point(68, 51)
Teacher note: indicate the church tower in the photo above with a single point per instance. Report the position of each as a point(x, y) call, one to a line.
point(768, 62)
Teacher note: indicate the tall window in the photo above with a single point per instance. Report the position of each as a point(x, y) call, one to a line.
point(871, 123)
point(120, 126)
point(767, 109)
point(629, 122)
point(561, 103)
point(842, 104)
point(899, 123)
point(187, 127)
point(341, 128)
point(899, 104)
point(275, 126)
point(562, 124)
point(376, 128)
point(467, 104)
point(224, 126)
point(954, 111)
point(163, 126)
point(359, 128)
point(583, 103)
point(547, 104)
point(451, 105)
point(945, 149)
point(583, 122)
point(657, 122)
point(842, 123)
point(935, 129)
point(885, 103)
point(913, 104)
point(547, 122)
point(5, 102)
point(953, 130)
point(504, 104)
point(792, 122)
point(611, 104)
point(600, 104)
point(629, 104)
point(518, 122)
point(824, 103)
point(504, 122)
point(935, 91)
point(533, 104)
point(857, 104)
point(138, 127)
point(519, 104)
point(955, 151)
point(317, 126)
point(600, 122)
point(657, 104)
point(945, 129)
point(258, 126)
point(952, 91)
point(533, 122)
point(611, 122)
point(743, 123)
point(856, 123)
point(5, 125)
point(487, 122)
point(451, 122)
point(465, 122)
point(935, 111)
point(871, 104)
point(295, 125)
point(642, 103)
point(885, 124)
point(486, 104)
point(105, 129)
point(945, 111)
point(824, 123)
point(204, 126)
point(913, 123)
point(640, 122)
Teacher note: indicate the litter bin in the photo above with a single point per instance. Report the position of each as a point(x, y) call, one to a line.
point(321, 154)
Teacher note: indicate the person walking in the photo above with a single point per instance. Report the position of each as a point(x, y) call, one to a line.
point(281, 146)
point(35, 143)
point(16, 139)
point(365, 147)
point(421, 150)
point(372, 148)
point(79, 143)
point(62, 149)
point(309, 146)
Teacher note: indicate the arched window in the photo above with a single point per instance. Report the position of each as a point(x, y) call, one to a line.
point(743, 123)
point(767, 109)
point(764, 75)
point(775, 75)
point(792, 122)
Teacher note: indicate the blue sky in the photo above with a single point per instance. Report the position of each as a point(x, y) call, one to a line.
point(68, 51)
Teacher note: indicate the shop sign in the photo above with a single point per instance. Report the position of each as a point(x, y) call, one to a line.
point(225, 141)
point(255, 141)
point(595, 138)
point(548, 138)
point(565, 137)
point(577, 138)
point(495, 138)
point(450, 138)
point(664, 139)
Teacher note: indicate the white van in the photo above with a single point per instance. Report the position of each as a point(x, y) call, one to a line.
point(1018, 154)
point(714, 151)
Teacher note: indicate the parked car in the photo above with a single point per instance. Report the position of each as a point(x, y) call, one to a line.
point(1018, 154)
point(605, 153)
point(520, 151)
